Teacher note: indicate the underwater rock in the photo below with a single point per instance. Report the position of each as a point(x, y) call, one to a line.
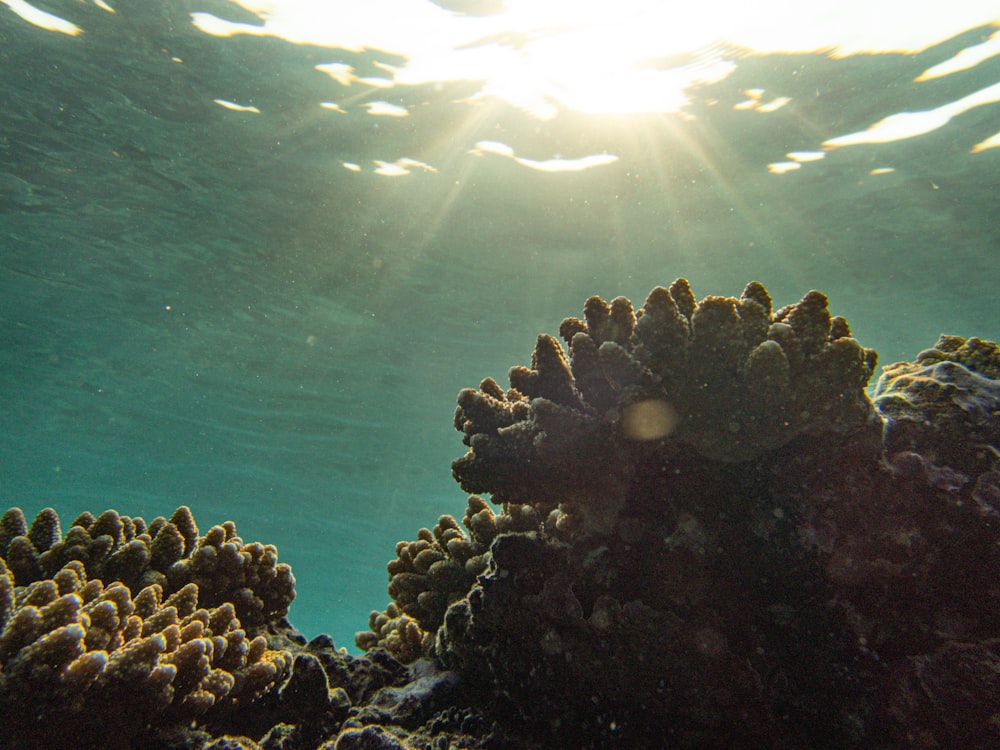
point(335, 699)
point(367, 738)
point(724, 378)
point(944, 407)
point(948, 698)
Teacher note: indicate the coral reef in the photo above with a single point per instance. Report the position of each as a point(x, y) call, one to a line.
point(728, 552)
point(333, 699)
point(725, 378)
point(167, 552)
point(690, 625)
point(708, 537)
point(119, 623)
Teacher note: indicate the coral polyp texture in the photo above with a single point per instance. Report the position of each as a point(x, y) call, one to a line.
point(87, 666)
point(433, 572)
point(93, 652)
point(167, 552)
point(726, 378)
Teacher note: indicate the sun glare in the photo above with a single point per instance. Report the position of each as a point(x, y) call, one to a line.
point(594, 56)
point(41, 18)
point(539, 55)
point(546, 57)
point(603, 57)
point(626, 57)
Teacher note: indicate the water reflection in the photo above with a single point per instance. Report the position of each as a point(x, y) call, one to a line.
point(628, 58)
point(546, 57)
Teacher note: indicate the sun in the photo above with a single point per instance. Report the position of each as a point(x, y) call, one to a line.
point(596, 56)
point(628, 56)
point(538, 55)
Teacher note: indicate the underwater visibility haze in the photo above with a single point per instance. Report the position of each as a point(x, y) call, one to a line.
point(252, 251)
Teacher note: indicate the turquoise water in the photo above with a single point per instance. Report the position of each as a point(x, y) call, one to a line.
point(231, 308)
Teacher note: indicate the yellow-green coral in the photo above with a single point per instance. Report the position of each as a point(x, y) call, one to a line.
point(167, 552)
point(248, 575)
point(76, 653)
point(396, 632)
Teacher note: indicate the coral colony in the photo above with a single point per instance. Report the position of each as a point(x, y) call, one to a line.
point(701, 532)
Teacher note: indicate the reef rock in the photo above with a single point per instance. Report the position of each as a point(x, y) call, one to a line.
point(943, 407)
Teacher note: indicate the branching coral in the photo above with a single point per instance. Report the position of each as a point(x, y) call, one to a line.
point(248, 575)
point(737, 603)
point(169, 553)
point(84, 664)
point(747, 560)
point(703, 541)
point(726, 378)
point(434, 571)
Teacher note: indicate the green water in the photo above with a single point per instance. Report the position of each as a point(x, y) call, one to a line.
point(203, 306)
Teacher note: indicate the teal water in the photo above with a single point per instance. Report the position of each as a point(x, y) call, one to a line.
point(201, 305)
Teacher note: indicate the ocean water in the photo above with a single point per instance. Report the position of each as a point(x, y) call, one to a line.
point(250, 253)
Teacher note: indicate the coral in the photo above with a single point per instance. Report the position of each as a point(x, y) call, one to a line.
point(434, 571)
point(725, 378)
point(744, 607)
point(78, 654)
point(431, 572)
point(332, 696)
point(248, 575)
point(397, 633)
point(943, 407)
point(950, 694)
point(709, 537)
point(167, 552)
point(661, 630)
point(766, 559)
